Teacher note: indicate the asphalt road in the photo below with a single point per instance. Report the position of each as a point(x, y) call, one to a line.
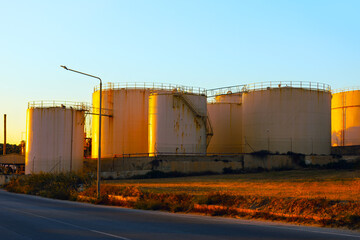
point(30, 217)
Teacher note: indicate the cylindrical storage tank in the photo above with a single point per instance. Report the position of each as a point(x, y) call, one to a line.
point(228, 98)
point(177, 123)
point(54, 137)
point(345, 118)
point(295, 117)
point(124, 122)
point(226, 119)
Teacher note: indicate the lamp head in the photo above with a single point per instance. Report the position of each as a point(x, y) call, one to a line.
point(64, 67)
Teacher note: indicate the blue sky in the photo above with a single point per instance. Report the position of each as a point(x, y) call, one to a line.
point(198, 43)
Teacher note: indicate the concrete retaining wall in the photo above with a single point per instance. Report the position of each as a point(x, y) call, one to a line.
point(127, 167)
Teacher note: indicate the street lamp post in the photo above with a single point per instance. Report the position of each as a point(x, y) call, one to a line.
point(99, 140)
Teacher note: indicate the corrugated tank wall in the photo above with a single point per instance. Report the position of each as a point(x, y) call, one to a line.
point(345, 118)
point(126, 131)
point(287, 119)
point(226, 119)
point(177, 123)
point(54, 140)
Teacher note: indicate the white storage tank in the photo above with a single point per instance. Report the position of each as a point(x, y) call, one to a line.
point(124, 122)
point(54, 137)
point(345, 117)
point(226, 119)
point(287, 117)
point(177, 123)
point(125, 118)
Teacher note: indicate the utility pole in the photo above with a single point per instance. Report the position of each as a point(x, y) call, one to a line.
point(4, 146)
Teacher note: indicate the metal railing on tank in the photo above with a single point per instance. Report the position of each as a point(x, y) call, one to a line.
point(349, 89)
point(288, 84)
point(211, 93)
point(62, 104)
point(153, 86)
point(226, 90)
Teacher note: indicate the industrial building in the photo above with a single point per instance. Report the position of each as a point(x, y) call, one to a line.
point(345, 117)
point(54, 137)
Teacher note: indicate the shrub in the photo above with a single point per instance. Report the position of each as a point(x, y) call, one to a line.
point(151, 205)
point(218, 198)
point(60, 186)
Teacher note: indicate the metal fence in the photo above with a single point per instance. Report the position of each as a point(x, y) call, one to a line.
point(153, 86)
point(226, 90)
point(63, 104)
point(355, 88)
point(283, 145)
point(316, 86)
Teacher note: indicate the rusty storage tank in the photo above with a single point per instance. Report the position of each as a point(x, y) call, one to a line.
point(178, 123)
point(229, 97)
point(225, 113)
point(345, 117)
point(125, 118)
point(54, 137)
point(287, 117)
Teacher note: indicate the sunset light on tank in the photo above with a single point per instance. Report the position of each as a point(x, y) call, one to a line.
point(345, 118)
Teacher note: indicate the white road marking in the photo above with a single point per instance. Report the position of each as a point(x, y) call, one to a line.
point(69, 224)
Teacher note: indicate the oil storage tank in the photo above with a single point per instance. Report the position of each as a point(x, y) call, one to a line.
point(124, 121)
point(225, 115)
point(282, 117)
point(345, 117)
point(54, 137)
point(125, 118)
point(229, 97)
point(177, 123)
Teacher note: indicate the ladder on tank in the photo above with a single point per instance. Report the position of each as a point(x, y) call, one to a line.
point(205, 119)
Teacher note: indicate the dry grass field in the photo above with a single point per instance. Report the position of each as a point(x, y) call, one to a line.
point(327, 184)
point(322, 197)
point(317, 197)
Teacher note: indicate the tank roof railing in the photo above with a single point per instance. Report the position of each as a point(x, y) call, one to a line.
point(226, 90)
point(63, 104)
point(348, 89)
point(152, 86)
point(269, 85)
point(290, 84)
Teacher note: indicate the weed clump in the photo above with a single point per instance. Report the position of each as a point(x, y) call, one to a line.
point(64, 186)
point(165, 201)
